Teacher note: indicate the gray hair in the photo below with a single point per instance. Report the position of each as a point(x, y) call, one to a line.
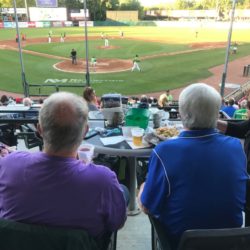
point(243, 104)
point(63, 117)
point(199, 106)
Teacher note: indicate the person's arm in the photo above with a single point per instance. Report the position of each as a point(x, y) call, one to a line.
point(157, 187)
point(113, 204)
point(144, 209)
point(238, 129)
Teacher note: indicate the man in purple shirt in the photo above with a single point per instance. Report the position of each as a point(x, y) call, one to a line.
point(53, 187)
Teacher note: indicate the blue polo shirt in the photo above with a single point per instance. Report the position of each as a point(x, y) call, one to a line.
point(197, 180)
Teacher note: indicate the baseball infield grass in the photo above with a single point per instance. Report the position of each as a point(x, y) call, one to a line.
point(157, 73)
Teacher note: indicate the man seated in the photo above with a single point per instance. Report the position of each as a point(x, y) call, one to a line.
point(230, 109)
point(197, 180)
point(54, 187)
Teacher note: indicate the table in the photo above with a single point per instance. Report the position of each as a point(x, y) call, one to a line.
point(122, 149)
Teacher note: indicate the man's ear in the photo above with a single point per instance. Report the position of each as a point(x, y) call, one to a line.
point(85, 130)
point(39, 130)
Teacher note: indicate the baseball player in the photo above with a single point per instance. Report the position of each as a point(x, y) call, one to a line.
point(136, 61)
point(106, 42)
point(93, 62)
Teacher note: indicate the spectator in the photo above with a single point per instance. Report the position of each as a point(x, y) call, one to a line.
point(193, 182)
point(4, 100)
point(143, 102)
point(230, 109)
point(162, 102)
point(55, 187)
point(169, 96)
point(90, 97)
point(27, 102)
point(241, 113)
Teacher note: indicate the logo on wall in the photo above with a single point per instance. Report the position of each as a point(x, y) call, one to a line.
point(46, 3)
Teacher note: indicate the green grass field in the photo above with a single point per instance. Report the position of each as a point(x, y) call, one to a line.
point(158, 73)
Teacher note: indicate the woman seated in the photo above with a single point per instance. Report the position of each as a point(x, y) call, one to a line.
point(91, 99)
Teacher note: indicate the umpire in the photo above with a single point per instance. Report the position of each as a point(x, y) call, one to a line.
point(73, 56)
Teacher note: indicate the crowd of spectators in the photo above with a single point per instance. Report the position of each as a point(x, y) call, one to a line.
point(236, 110)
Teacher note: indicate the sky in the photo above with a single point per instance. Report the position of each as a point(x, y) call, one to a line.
point(148, 3)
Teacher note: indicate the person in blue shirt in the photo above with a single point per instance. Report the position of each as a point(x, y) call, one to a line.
point(197, 180)
point(230, 109)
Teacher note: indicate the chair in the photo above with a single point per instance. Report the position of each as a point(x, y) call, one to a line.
point(216, 239)
point(202, 239)
point(30, 138)
point(158, 237)
point(21, 236)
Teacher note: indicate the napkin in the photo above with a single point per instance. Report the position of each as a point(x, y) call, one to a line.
point(112, 140)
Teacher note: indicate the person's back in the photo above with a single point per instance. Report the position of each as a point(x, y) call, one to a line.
point(43, 189)
point(53, 187)
point(197, 180)
point(230, 109)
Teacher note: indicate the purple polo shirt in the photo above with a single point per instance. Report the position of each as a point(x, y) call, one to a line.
point(41, 189)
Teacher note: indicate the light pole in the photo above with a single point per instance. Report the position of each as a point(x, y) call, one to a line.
point(86, 44)
point(25, 89)
point(27, 11)
point(224, 74)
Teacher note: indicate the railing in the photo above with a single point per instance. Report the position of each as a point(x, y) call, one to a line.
point(239, 93)
point(43, 90)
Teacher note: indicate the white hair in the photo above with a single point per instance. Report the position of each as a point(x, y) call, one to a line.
point(199, 106)
point(63, 118)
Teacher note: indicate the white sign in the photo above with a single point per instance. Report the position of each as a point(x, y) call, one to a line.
point(47, 14)
point(89, 24)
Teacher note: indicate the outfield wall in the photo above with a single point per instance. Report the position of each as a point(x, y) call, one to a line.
point(171, 24)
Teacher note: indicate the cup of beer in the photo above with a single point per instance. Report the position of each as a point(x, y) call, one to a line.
point(137, 134)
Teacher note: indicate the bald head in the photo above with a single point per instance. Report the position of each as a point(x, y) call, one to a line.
point(62, 119)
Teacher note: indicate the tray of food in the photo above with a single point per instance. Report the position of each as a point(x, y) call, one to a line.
point(165, 133)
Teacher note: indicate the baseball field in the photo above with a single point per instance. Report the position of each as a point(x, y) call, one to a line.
point(169, 57)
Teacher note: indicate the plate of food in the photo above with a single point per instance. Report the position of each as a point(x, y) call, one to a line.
point(164, 133)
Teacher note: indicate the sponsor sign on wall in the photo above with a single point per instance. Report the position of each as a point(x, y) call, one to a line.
point(46, 3)
point(89, 24)
point(57, 24)
point(7, 24)
point(47, 14)
point(68, 24)
point(31, 24)
point(1, 25)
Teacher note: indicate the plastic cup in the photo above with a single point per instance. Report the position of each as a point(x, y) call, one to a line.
point(86, 152)
point(137, 134)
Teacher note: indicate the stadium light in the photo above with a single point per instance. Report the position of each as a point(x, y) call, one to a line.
point(25, 89)
point(86, 42)
point(224, 74)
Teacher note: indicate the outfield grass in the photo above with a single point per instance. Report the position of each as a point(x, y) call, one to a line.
point(158, 73)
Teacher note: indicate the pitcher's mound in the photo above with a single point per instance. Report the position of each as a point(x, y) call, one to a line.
point(102, 66)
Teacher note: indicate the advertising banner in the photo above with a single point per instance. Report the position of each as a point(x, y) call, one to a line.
point(46, 24)
point(46, 3)
point(89, 24)
point(23, 24)
point(31, 24)
point(1, 25)
point(8, 25)
point(68, 24)
point(39, 25)
point(57, 24)
point(47, 14)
